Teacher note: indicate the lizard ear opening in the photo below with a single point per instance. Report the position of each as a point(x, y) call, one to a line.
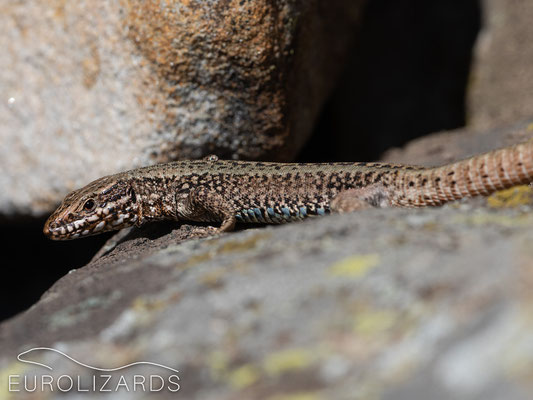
point(131, 193)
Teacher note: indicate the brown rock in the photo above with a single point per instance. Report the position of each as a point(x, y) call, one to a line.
point(243, 79)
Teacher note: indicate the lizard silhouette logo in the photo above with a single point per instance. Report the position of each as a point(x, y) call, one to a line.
point(95, 379)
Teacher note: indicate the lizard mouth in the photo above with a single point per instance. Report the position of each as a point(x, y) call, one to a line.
point(57, 229)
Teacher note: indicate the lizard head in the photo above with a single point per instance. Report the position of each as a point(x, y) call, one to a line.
point(103, 205)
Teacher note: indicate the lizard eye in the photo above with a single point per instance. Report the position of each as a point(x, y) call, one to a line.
point(89, 205)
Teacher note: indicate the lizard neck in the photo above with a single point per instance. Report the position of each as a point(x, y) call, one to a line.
point(155, 199)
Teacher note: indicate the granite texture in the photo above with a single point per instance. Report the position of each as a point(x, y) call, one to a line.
point(91, 88)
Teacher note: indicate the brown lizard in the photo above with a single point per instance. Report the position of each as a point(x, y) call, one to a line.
point(213, 190)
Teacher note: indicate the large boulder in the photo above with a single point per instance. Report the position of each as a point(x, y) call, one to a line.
point(393, 304)
point(91, 88)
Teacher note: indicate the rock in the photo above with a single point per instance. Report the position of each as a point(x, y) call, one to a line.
point(390, 303)
point(247, 76)
point(92, 88)
point(445, 147)
point(502, 78)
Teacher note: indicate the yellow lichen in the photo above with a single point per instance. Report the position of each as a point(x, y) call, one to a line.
point(223, 247)
point(242, 245)
point(218, 362)
point(143, 304)
point(244, 376)
point(355, 266)
point(373, 323)
point(502, 220)
point(513, 197)
point(14, 369)
point(196, 259)
point(213, 278)
point(297, 396)
point(287, 360)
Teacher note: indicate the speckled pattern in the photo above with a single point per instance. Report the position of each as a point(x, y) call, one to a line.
point(237, 191)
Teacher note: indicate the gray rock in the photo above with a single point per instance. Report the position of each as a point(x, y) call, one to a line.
point(445, 147)
point(93, 88)
point(74, 104)
point(501, 81)
point(387, 303)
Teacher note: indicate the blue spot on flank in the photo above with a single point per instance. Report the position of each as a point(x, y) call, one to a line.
point(320, 211)
point(251, 214)
point(239, 217)
point(286, 211)
point(271, 212)
point(259, 214)
point(303, 211)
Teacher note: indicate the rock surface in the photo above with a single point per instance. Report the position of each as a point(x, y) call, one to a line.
point(74, 104)
point(92, 88)
point(502, 78)
point(445, 147)
point(384, 303)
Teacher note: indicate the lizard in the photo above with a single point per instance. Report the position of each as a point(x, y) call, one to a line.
point(226, 191)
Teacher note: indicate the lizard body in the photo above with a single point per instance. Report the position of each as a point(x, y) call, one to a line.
point(213, 190)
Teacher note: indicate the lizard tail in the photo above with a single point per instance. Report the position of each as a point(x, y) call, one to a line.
point(478, 175)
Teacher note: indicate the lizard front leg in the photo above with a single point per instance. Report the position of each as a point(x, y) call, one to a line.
point(205, 205)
